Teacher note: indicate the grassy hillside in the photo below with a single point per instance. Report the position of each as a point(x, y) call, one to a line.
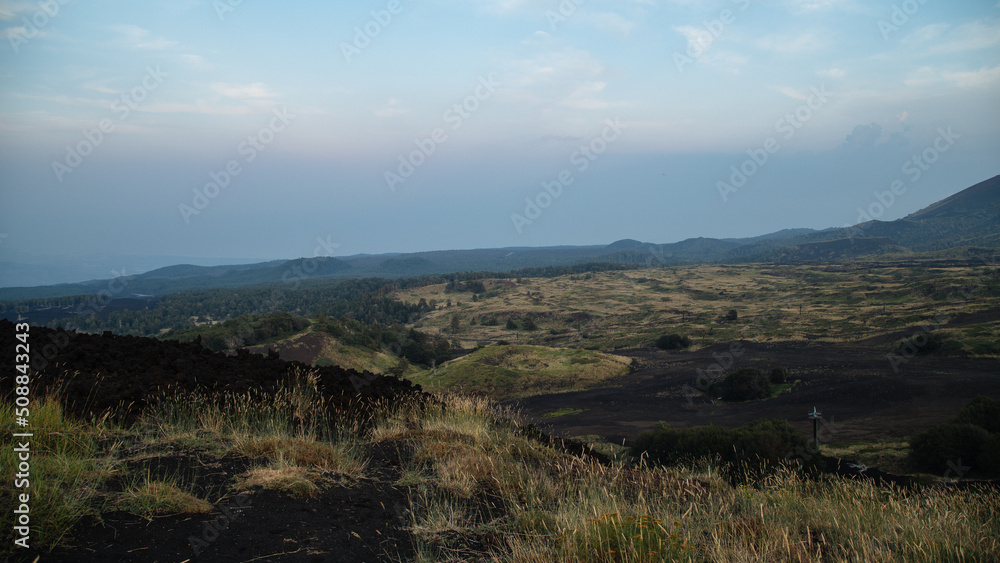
point(607, 310)
point(503, 372)
point(456, 480)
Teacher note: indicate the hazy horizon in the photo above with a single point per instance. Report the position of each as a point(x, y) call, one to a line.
point(224, 129)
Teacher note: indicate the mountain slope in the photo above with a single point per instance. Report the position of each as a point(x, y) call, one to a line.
point(969, 218)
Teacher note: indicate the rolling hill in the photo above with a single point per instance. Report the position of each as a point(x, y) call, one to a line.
point(969, 218)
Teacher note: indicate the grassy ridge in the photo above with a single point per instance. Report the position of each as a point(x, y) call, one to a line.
point(480, 489)
point(518, 371)
point(553, 507)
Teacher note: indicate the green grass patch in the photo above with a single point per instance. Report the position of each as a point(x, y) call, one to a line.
point(521, 370)
point(562, 412)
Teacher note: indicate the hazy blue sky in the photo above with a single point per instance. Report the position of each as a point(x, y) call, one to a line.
point(113, 114)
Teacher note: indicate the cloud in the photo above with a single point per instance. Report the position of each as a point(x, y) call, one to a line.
point(863, 136)
point(973, 79)
point(136, 37)
point(100, 86)
point(20, 31)
point(196, 62)
point(791, 45)
point(569, 78)
point(10, 10)
point(927, 76)
point(514, 6)
point(941, 38)
point(391, 109)
point(257, 90)
point(586, 96)
point(808, 6)
point(611, 23)
point(832, 72)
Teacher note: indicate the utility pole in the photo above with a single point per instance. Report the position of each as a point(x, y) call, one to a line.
point(815, 416)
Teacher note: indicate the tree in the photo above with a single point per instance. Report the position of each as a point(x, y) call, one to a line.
point(747, 384)
point(779, 375)
point(456, 324)
point(732, 315)
point(511, 325)
point(400, 368)
point(672, 342)
point(529, 324)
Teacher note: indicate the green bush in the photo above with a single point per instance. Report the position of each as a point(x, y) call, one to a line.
point(988, 461)
point(984, 412)
point(779, 375)
point(932, 449)
point(746, 451)
point(747, 384)
point(673, 342)
point(923, 343)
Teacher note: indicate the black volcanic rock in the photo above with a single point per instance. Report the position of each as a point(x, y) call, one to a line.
point(99, 372)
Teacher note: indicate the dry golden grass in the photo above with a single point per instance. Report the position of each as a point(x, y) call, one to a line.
point(786, 302)
point(294, 480)
point(149, 497)
point(561, 508)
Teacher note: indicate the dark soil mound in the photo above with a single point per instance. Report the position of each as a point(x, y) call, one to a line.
point(99, 372)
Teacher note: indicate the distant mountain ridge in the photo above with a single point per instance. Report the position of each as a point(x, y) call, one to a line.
point(969, 218)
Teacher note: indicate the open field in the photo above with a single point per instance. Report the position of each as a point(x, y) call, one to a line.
point(825, 303)
point(856, 389)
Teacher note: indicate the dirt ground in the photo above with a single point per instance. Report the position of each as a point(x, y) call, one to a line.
point(357, 520)
point(855, 386)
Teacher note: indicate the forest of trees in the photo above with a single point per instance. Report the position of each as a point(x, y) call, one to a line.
point(366, 300)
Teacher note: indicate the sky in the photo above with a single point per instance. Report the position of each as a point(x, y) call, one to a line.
point(224, 129)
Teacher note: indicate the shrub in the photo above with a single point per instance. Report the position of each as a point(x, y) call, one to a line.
point(673, 342)
point(732, 315)
point(984, 412)
point(779, 375)
point(747, 384)
point(511, 325)
point(988, 461)
point(746, 451)
point(922, 343)
point(932, 449)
